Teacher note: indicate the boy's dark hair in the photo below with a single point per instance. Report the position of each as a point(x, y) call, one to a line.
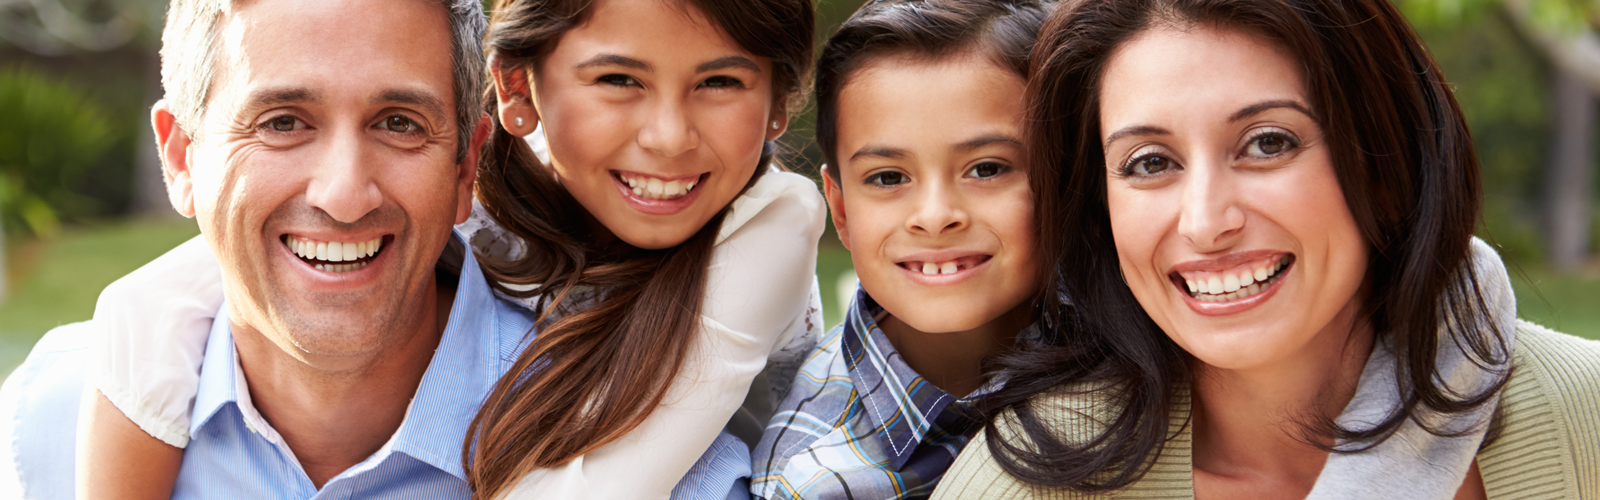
point(1004, 30)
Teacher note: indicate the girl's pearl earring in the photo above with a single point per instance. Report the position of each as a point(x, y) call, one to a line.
point(774, 124)
point(519, 121)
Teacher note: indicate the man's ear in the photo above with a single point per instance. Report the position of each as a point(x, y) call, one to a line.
point(777, 124)
point(830, 188)
point(513, 89)
point(467, 171)
point(173, 142)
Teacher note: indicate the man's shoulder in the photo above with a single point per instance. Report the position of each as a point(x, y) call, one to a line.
point(39, 415)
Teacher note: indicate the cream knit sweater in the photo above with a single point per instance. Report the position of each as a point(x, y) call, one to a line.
point(1548, 448)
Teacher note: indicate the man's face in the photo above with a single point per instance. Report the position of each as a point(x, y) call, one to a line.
point(324, 174)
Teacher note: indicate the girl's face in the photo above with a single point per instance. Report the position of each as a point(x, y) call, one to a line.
point(654, 117)
point(1230, 225)
point(932, 198)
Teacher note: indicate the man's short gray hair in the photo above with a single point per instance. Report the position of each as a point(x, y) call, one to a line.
point(189, 61)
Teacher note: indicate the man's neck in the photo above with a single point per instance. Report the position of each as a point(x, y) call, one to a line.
point(334, 413)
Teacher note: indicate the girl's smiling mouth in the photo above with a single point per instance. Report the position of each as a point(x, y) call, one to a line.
point(656, 195)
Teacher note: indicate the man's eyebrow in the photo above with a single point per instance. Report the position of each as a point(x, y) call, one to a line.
point(1134, 130)
point(615, 60)
point(881, 152)
point(280, 96)
point(987, 140)
point(728, 62)
point(429, 102)
point(1263, 106)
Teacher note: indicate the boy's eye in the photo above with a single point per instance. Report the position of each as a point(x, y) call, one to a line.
point(886, 179)
point(400, 125)
point(718, 82)
point(618, 80)
point(284, 123)
point(987, 170)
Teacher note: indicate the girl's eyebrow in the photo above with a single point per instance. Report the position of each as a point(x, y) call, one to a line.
point(728, 62)
point(615, 60)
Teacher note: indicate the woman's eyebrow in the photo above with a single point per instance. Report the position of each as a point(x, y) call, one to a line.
point(728, 62)
point(1263, 106)
point(1134, 130)
point(615, 60)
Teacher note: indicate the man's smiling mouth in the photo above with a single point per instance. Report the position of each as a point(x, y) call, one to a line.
point(334, 256)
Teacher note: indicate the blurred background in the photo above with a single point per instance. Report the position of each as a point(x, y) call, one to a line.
point(82, 203)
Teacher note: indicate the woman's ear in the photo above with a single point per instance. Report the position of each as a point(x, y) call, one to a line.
point(513, 91)
point(830, 188)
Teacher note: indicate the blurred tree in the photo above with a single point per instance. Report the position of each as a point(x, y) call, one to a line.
point(1563, 32)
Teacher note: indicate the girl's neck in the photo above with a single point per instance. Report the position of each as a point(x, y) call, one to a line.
point(1250, 425)
point(952, 361)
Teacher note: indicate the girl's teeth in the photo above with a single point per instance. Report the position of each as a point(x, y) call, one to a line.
point(1213, 285)
point(657, 189)
point(1230, 283)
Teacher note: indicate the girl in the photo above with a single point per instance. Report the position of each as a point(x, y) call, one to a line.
point(659, 182)
point(1265, 210)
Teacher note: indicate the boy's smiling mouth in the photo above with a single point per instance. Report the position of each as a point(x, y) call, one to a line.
point(937, 266)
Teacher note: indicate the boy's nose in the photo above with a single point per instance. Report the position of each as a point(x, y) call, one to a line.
point(343, 183)
point(938, 210)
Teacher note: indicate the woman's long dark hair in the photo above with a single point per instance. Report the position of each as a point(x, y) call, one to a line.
point(600, 367)
point(1401, 153)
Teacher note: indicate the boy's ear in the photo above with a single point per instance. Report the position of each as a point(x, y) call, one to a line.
point(173, 143)
point(835, 197)
point(513, 91)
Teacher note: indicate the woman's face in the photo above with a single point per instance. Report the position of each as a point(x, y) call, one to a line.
point(1230, 225)
point(655, 118)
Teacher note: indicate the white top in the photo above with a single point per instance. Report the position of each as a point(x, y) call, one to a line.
point(761, 300)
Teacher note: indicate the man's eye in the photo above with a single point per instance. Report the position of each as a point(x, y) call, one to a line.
point(987, 170)
point(618, 80)
point(718, 82)
point(400, 125)
point(285, 123)
point(887, 179)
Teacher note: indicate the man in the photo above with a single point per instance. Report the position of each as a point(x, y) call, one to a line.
point(291, 127)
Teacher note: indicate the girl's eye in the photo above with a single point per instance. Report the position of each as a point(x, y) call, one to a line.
point(718, 82)
point(887, 179)
point(284, 123)
point(1148, 165)
point(618, 80)
point(1270, 144)
point(400, 125)
point(987, 170)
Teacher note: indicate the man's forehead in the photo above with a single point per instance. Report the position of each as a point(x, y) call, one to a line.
point(277, 50)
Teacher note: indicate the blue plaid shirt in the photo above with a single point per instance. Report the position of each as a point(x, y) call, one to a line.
point(860, 423)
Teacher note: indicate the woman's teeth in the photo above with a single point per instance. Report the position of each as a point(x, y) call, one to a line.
point(932, 268)
point(655, 189)
point(326, 254)
point(1230, 287)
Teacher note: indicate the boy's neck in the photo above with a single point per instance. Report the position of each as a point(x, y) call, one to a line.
point(952, 361)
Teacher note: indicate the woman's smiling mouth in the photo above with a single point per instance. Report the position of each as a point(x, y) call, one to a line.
point(1233, 288)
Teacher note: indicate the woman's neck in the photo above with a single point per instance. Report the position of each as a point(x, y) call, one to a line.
point(952, 361)
point(1250, 434)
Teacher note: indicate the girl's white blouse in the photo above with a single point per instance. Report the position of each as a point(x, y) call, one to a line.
point(761, 302)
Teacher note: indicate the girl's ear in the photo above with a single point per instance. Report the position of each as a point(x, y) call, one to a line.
point(830, 188)
point(777, 124)
point(513, 89)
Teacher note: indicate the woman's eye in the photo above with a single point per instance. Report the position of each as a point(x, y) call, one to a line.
point(284, 123)
point(1270, 144)
point(400, 125)
point(887, 179)
point(619, 80)
point(987, 170)
point(718, 82)
point(1148, 165)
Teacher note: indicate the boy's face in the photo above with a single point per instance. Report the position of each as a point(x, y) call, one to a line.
point(932, 198)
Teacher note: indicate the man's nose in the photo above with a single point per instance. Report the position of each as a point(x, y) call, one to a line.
point(668, 130)
point(343, 184)
point(940, 208)
point(1210, 214)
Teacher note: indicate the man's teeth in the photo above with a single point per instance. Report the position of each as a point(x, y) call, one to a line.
point(933, 268)
point(330, 252)
point(1231, 287)
point(656, 189)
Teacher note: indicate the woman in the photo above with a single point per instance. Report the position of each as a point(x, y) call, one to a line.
point(1264, 210)
point(666, 255)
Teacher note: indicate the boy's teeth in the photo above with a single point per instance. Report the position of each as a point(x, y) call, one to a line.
point(935, 268)
point(947, 268)
point(930, 268)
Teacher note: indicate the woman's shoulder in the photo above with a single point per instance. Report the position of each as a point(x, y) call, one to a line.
point(1548, 443)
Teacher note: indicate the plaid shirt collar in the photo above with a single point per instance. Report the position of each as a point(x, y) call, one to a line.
point(896, 398)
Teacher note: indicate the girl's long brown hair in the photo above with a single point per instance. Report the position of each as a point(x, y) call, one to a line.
point(597, 366)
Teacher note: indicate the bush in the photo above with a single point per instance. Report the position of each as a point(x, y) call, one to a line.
point(52, 136)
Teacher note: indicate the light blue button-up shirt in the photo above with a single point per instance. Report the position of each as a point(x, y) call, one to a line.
point(234, 453)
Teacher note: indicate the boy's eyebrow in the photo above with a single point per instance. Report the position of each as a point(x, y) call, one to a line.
point(979, 142)
point(881, 151)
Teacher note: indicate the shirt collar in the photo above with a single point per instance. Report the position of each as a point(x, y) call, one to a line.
point(464, 368)
point(897, 399)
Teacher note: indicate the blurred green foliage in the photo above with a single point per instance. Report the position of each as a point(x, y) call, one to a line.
point(53, 133)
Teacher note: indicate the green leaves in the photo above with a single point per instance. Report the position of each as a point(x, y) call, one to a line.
point(51, 135)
